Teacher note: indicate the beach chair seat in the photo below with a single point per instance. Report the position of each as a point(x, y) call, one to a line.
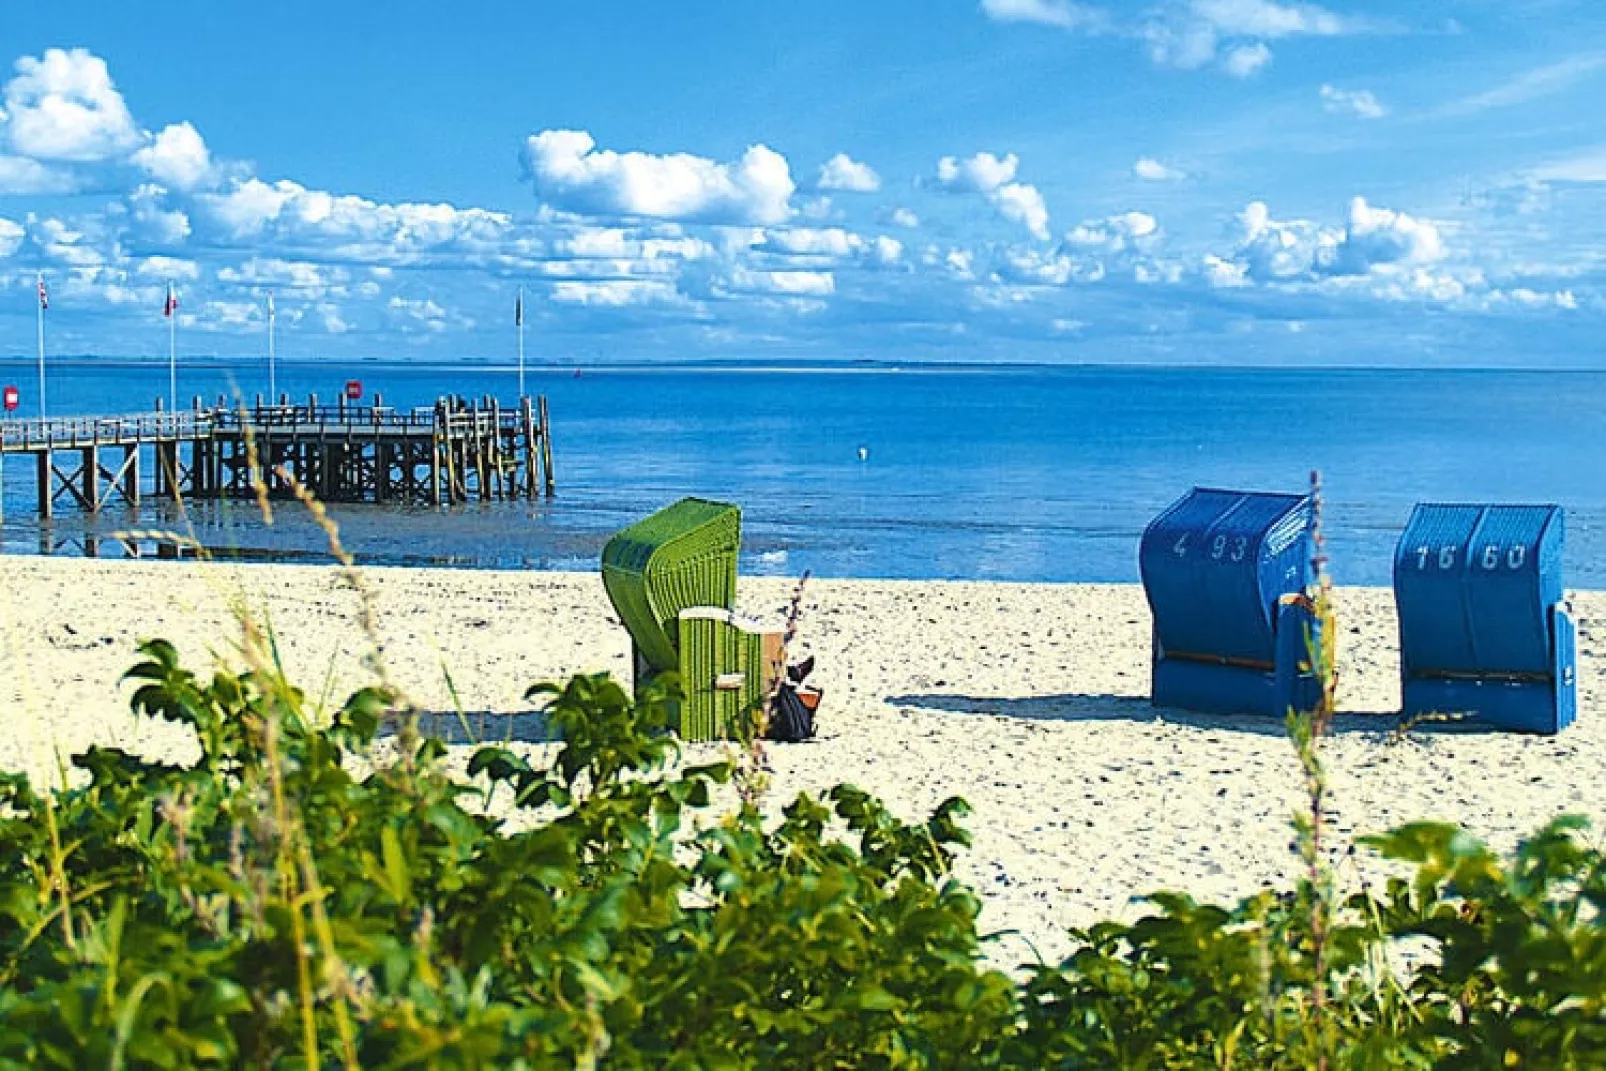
point(1226, 574)
point(1484, 631)
point(672, 579)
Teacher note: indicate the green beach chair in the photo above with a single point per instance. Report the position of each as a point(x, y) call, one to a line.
point(672, 580)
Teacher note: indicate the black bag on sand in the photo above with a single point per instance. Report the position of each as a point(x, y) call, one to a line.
point(792, 709)
point(790, 720)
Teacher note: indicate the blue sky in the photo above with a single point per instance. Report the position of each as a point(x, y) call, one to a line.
point(1224, 181)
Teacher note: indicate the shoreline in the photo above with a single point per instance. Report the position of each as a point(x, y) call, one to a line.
point(1028, 699)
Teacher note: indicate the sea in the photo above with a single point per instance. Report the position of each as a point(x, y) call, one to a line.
point(1018, 473)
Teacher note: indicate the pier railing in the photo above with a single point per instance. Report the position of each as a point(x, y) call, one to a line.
point(66, 433)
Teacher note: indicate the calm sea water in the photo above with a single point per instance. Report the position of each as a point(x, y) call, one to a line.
point(1017, 473)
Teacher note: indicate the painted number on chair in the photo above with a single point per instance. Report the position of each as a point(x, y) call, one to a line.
point(1222, 548)
point(1488, 560)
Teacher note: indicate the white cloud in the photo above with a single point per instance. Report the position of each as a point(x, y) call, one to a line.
point(153, 219)
point(1378, 236)
point(1062, 13)
point(1273, 249)
point(982, 173)
point(1529, 85)
point(64, 106)
point(1587, 166)
point(1020, 203)
point(1360, 103)
point(1376, 243)
point(887, 251)
point(616, 293)
point(994, 178)
point(569, 172)
point(283, 274)
point(1264, 18)
point(1224, 273)
point(333, 323)
point(424, 309)
point(790, 283)
point(1246, 60)
point(355, 229)
point(842, 172)
point(1233, 33)
point(1152, 170)
point(905, 218)
point(160, 267)
point(1116, 234)
point(177, 157)
point(809, 241)
point(11, 235)
point(23, 177)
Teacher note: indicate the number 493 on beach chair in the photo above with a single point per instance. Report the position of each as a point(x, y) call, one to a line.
point(672, 579)
point(1225, 573)
point(1483, 629)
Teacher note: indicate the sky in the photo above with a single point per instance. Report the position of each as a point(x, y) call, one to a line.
point(1184, 181)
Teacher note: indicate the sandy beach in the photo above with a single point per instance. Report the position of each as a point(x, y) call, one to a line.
point(1029, 700)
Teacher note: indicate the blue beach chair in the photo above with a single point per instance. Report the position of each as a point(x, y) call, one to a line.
point(1483, 629)
point(1225, 573)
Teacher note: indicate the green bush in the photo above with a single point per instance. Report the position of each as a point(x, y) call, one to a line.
point(265, 906)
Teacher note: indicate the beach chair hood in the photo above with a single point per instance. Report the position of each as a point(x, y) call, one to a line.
point(681, 557)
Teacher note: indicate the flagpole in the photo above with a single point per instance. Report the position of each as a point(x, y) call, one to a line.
point(39, 278)
point(521, 342)
point(273, 384)
point(172, 350)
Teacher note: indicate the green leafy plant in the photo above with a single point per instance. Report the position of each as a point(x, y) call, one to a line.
point(266, 906)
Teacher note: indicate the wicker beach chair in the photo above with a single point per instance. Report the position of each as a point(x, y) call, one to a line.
point(1484, 626)
point(672, 580)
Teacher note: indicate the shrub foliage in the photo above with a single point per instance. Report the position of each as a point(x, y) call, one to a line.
point(268, 906)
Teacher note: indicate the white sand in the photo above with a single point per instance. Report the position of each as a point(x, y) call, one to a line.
point(1026, 699)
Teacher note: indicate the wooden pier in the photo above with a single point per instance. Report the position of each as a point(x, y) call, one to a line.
point(453, 452)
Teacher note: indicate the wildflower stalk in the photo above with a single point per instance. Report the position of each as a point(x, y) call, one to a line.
point(1307, 728)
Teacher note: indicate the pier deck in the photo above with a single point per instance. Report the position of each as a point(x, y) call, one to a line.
point(452, 452)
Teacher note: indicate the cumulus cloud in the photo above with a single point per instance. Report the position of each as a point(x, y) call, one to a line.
point(1373, 242)
point(177, 157)
point(569, 172)
point(842, 172)
point(1116, 234)
point(905, 218)
point(358, 229)
point(1151, 170)
point(153, 219)
point(1379, 236)
point(20, 176)
point(1020, 203)
point(615, 293)
point(809, 241)
point(1360, 103)
point(982, 173)
point(993, 178)
point(11, 235)
point(63, 106)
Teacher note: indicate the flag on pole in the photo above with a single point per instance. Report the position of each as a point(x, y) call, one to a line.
point(518, 310)
point(172, 301)
point(44, 295)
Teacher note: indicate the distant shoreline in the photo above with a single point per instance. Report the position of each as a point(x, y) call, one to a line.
point(27, 362)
